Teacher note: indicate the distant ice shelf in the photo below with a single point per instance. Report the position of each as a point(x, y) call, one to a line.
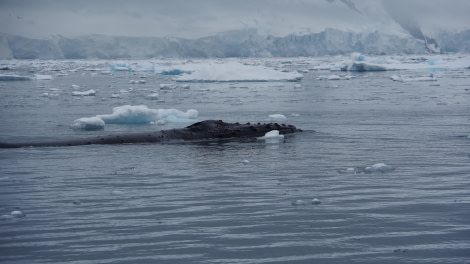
point(233, 71)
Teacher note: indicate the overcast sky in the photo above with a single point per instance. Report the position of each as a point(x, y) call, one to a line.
point(196, 18)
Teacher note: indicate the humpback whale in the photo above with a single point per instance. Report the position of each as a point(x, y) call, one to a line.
point(204, 130)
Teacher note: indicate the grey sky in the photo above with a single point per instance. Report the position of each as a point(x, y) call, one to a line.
point(196, 18)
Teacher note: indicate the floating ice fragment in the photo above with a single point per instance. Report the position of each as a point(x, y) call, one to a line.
point(42, 77)
point(88, 123)
point(401, 78)
point(17, 213)
point(167, 86)
point(316, 201)
point(246, 161)
point(153, 96)
point(379, 167)
point(118, 66)
point(277, 118)
point(333, 77)
point(90, 92)
point(272, 137)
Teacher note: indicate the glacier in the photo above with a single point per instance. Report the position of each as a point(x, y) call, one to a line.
point(237, 43)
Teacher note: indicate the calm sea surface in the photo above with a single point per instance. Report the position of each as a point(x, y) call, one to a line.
point(240, 202)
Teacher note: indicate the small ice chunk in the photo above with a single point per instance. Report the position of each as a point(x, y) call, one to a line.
point(75, 86)
point(379, 167)
point(88, 123)
point(272, 137)
point(316, 201)
point(153, 96)
point(277, 117)
point(90, 92)
point(42, 77)
point(246, 161)
point(333, 77)
point(17, 213)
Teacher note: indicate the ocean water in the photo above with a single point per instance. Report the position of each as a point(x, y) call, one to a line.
point(240, 202)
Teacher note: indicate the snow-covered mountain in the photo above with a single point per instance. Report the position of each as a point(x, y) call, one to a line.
point(243, 28)
point(243, 43)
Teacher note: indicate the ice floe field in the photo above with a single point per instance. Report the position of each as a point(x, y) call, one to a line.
point(379, 175)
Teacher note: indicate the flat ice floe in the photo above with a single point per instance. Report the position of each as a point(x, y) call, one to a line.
point(232, 71)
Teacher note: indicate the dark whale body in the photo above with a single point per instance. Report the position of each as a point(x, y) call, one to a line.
point(204, 130)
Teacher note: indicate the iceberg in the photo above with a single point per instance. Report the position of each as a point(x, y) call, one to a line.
point(134, 114)
point(234, 71)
